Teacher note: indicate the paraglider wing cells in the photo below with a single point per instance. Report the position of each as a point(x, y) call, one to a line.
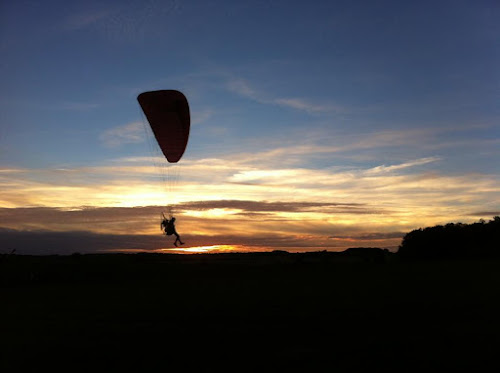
point(167, 111)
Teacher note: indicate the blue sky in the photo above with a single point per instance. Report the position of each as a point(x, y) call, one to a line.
point(388, 106)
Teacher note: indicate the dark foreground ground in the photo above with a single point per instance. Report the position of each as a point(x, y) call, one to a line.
point(247, 312)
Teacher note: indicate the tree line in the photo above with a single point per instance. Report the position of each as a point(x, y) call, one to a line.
point(453, 241)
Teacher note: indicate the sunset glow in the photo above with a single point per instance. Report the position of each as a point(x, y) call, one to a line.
point(206, 249)
point(325, 127)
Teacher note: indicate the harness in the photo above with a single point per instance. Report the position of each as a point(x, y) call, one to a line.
point(169, 227)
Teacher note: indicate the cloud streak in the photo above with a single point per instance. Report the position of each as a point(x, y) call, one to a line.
point(130, 133)
point(268, 198)
point(65, 243)
point(387, 169)
point(86, 19)
point(263, 206)
point(243, 88)
point(248, 224)
point(406, 186)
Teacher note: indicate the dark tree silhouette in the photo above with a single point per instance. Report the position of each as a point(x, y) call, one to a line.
point(453, 241)
point(368, 254)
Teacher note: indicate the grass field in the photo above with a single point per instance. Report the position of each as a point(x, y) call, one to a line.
point(247, 312)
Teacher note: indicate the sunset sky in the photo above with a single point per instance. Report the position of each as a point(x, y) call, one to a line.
point(316, 125)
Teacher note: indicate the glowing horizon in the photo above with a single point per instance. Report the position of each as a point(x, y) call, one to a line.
point(204, 249)
point(353, 139)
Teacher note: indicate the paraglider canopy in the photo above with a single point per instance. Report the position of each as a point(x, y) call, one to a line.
point(167, 111)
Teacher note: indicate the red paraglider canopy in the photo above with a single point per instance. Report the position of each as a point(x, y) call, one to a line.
point(167, 112)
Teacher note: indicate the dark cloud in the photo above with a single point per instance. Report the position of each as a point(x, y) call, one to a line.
point(260, 206)
point(371, 236)
point(47, 242)
point(486, 214)
point(272, 241)
point(42, 242)
point(126, 219)
point(266, 207)
point(45, 230)
point(117, 219)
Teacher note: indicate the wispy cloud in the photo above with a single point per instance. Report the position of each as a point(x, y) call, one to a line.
point(316, 144)
point(243, 88)
point(123, 21)
point(122, 135)
point(387, 169)
point(76, 106)
point(202, 116)
point(27, 104)
point(258, 198)
point(137, 181)
point(305, 105)
point(86, 19)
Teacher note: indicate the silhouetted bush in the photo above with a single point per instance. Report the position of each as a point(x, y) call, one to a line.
point(368, 254)
point(453, 241)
